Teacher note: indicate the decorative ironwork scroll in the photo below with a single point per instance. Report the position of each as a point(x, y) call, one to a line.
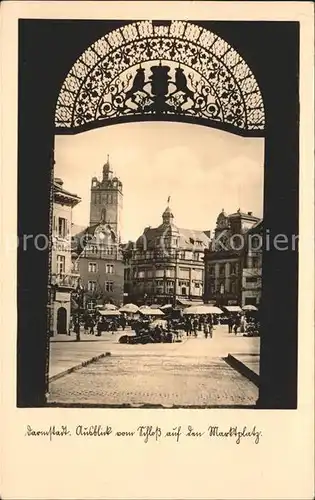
point(143, 69)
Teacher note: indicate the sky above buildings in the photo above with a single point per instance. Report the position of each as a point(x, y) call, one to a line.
point(203, 170)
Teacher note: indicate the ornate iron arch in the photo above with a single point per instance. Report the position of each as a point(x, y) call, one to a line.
point(140, 70)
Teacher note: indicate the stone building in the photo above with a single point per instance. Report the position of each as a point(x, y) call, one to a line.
point(63, 279)
point(107, 200)
point(252, 268)
point(165, 265)
point(224, 259)
point(97, 248)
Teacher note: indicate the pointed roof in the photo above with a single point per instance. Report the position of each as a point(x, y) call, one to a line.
point(107, 168)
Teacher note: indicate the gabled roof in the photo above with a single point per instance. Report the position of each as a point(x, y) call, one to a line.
point(64, 196)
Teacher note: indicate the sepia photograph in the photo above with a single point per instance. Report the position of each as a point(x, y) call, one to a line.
point(157, 284)
point(161, 222)
point(156, 273)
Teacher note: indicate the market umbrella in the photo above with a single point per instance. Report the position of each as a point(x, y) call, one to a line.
point(129, 308)
point(205, 309)
point(167, 306)
point(250, 307)
point(109, 312)
point(109, 307)
point(150, 312)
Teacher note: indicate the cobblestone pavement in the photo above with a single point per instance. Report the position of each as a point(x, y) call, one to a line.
point(66, 353)
point(191, 373)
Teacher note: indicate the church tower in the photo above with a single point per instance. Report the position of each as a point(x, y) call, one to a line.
point(107, 200)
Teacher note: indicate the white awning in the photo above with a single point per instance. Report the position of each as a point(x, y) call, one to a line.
point(188, 303)
point(233, 308)
point(203, 309)
point(109, 312)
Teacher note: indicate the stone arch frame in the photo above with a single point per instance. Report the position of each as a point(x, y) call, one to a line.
point(54, 46)
point(218, 85)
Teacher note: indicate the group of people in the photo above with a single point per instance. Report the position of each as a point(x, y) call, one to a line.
point(193, 324)
point(241, 323)
point(94, 324)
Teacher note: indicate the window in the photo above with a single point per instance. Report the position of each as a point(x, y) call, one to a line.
point(91, 286)
point(109, 286)
point(212, 270)
point(91, 248)
point(255, 262)
point(61, 264)
point(76, 266)
point(170, 273)
point(233, 269)
point(92, 267)
point(62, 227)
point(184, 290)
point(90, 305)
point(169, 286)
point(251, 301)
point(141, 274)
point(184, 272)
point(159, 273)
point(222, 270)
point(182, 255)
point(251, 280)
point(183, 283)
point(197, 274)
point(150, 274)
point(109, 268)
point(197, 285)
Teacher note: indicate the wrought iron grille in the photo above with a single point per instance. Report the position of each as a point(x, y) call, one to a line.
point(143, 69)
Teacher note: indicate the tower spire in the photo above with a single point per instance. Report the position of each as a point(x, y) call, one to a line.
point(107, 170)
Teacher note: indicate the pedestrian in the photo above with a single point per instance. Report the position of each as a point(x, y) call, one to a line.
point(195, 326)
point(99, 329)
point(123, 322)
point(243, 323)
point(91, 325)
point(237, 324)
point(211, 330)
point(230, 323)
point(77, 331)
point(206, 329)
point(86, 326)
point(200, 323)
point(187, 329)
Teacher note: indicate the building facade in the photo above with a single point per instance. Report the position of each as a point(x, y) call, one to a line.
point(165, 265)
point(224, 259)
point(99, 259)
point(63, 279)
point(252, 270)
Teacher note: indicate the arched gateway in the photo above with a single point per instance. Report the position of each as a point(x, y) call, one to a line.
point(175, 71)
